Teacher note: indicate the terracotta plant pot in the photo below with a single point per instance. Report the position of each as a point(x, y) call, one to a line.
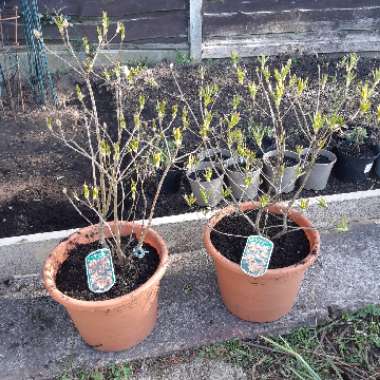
point(116, 324)
point(271, 296)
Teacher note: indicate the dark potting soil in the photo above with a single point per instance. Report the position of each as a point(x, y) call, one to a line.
point(321, 159)
point(242, 165)
point(71, 277)
point(288, 161)
point(289, 249)
point(216, 158)
point(363, 151)
point(201, 175)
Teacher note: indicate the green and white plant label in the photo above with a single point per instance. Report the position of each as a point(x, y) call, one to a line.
point(100, 271)
point(256, 256)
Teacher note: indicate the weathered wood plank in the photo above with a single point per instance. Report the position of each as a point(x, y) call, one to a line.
point(228, 25)
point(115, 8)
point(160, 26)
point(290, 43)
point(219, 6)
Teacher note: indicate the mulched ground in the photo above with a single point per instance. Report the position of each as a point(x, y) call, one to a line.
point(34, 167)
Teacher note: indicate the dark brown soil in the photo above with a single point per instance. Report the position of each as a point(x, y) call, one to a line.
point(216, 158)
point(288, 161)
point(362, 151)
point(289, 249)
point(201, 175)
point(34, 167)
point(71, 278)
point(320, 159)
point(242, 165)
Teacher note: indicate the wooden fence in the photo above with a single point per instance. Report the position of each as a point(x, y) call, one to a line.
point(215, 28)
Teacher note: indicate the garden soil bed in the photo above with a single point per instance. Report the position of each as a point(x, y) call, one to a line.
point(34, 167)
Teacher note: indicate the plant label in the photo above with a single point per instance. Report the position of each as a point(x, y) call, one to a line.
point(100, 271)
point(256, 256)
point(368, 168)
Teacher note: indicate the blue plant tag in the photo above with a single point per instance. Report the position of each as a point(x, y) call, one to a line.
point(100, 271)
point(139, 252)
point(256, 256)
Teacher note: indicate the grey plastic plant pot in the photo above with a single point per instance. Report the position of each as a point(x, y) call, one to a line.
point(320, 173)
point(213, 189)
point(240, 191)
point(285, 183)
point(203, 163)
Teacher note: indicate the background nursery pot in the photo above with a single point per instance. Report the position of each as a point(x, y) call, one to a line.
point(236, 180)
point(213, 189)
point(377, 163)
point(116, 324)
point(354, 169)
point(286, 183)
point(320, 173)
point(214, 157)
point(271, 296)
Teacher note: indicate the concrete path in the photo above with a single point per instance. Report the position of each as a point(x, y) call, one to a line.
point(38, 341)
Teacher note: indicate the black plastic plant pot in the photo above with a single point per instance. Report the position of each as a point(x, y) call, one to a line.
point(377, 163)
point(172, 182)
point(354, 169)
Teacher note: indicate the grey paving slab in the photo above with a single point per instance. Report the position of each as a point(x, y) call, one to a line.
point(38, 341)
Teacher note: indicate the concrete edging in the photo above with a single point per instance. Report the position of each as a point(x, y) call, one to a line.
point(24, 255)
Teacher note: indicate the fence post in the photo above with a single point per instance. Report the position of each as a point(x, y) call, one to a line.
point(195, 32)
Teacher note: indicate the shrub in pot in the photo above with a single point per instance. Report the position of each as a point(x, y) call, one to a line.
point(272, 295)
point(272, 94)
point(107, 275)
point(356, 155)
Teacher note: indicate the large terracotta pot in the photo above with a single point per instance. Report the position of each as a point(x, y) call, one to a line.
point(119, 323)
point(271, 296)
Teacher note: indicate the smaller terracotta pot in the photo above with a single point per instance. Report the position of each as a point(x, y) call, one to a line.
point(271, 296)
point(116, 324)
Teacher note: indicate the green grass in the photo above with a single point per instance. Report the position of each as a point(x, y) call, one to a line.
point(345, 348)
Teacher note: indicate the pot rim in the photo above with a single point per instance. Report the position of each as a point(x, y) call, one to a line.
point(197, 180)
point(255, 170)
point(290, 153)
point(312, 235)
point(321, 152)
point(72, 303)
